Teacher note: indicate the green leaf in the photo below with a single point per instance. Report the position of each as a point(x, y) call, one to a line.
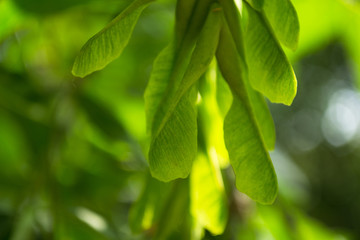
point(187, 27)
point(261, 110)
point(283, 19)
point(184, 10)
point(248, 156)
point(232, 16)
point(174, 127)
point(172, 62)
point(108, 44)
point(173, 146)
point(158, 83)
point(256, 4)
point(258, 103)
point(269, 70)
point(255, 175)
point(204, 51)
point(207, 197)
point(263, 117)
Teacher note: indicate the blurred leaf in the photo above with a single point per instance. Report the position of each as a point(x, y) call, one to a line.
point(173, 146)
point(146, 211)
point(68, 226)
point(223, 94)
point(312, 230)
point(90, 176)
point(281, 225)
point(102, 118)
point(5, 225)
point(351, 38)
point(318, 28)
point(47, 6)
point(23, 229)
point(256, 4)
point(207, 196)
point(108, 44)
point(14, 150)
point(269, 70)
point(252, 165)
point(283, 19)
point(210, 117)
point(37, 135)
point(9, 17)
point(285, 222)
point(247, 231)
point(174, 212)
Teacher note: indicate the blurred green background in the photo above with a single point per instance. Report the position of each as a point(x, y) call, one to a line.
point(72, 151)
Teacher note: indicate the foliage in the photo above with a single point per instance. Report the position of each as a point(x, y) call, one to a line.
point(171, 93)
point(82, 144)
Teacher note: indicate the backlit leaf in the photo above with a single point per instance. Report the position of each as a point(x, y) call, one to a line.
point(261, 110)
point(108, 44)
point(255, 175)
point(207, 196)
point(269, 70)
point(258, 103)
point(283, 19)
point(211, 117)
